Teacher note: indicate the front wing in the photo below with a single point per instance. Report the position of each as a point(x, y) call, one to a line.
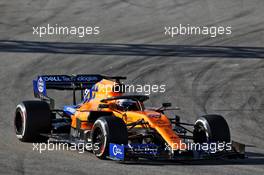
point(152, 152)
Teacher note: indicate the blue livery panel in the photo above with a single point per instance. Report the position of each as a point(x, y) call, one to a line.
point(116, 151)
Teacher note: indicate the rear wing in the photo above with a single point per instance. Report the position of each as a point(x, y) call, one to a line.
point(68, 82)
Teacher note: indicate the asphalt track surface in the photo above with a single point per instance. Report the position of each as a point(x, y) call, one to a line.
point(203, 75)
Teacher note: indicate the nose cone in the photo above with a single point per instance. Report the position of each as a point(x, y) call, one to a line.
point(162, 125)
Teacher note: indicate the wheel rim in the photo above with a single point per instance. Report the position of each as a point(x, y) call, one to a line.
point(200, 135)
point(19, 126)
point(100, 140)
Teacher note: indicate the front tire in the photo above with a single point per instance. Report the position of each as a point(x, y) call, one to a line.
point(106, 130)
point(31, 119)
point(211, 128)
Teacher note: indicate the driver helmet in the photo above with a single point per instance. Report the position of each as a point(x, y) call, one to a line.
point(127, 104)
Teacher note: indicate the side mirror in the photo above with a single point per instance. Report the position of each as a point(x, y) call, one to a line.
point(103, 106)
point(166, 105)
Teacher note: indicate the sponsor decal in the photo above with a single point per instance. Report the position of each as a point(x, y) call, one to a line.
point(60, 78)
point(86, 78)
point(150, 149)
point(72, 110)
point(154, 115)
point(69, 110)
point(56, 78)
point(117, 151)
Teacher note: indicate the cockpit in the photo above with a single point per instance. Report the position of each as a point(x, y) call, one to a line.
point(127, 103)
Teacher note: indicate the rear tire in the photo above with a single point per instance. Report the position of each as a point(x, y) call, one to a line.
point(106, 130)
point(211, 128)
point(31, 119)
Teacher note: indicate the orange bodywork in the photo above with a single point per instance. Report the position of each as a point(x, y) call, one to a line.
point(155, 120)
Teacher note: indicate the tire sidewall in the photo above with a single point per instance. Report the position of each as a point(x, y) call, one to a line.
point(102, 125)
point(22, 111)
point(36, 119)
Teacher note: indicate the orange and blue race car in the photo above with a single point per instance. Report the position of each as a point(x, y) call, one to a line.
point(117, 125)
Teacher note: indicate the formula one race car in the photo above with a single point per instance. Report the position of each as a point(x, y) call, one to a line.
point(119, 126)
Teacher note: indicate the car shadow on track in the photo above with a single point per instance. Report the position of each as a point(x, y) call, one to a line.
point(130, 49)
point(251, 159)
